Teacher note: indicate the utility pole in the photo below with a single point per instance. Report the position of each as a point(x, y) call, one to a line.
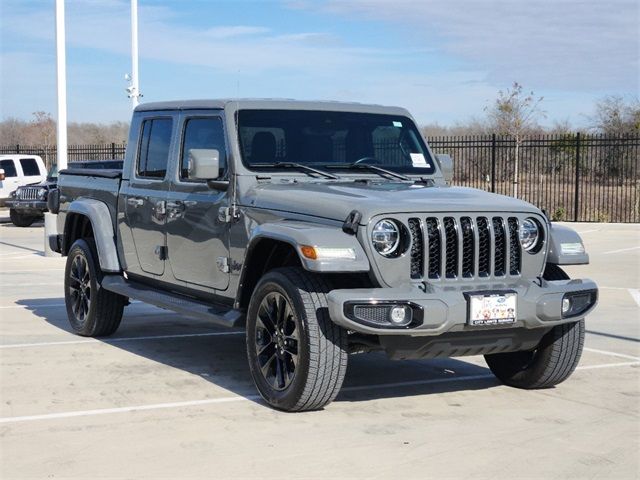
point(61, 77)
point(134, 83)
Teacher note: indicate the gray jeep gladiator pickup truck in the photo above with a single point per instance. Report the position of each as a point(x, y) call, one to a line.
point(323, 229)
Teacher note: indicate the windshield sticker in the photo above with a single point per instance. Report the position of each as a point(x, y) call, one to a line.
point(418, 160)
point(397, 124)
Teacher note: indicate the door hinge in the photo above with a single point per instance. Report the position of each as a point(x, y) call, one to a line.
point(228, 214)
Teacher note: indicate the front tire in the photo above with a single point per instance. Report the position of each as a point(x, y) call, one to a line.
point(297, 355)
point(92, 310)
point(551, 362)
point(20, 219)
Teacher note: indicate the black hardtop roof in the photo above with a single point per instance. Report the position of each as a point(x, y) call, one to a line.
point(269, 104)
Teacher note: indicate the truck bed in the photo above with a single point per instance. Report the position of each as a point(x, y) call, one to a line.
point(98, 184)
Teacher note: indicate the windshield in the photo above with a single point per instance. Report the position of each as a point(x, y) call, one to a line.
point(335, 140)
point(53, 172)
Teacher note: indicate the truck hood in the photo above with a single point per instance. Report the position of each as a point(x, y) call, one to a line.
point(336, 200)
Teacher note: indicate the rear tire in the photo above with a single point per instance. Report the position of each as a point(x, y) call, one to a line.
point(21, 220)
point(553, 360)
point(297, 355)
point(92, 310)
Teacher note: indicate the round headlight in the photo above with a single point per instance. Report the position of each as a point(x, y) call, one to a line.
point(42, 192)
point(385, 237)
point(530, 235)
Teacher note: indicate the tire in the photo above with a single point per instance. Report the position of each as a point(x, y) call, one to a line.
point(92, 310)
point(553, 360)
point(302, 367)
point(21, 220)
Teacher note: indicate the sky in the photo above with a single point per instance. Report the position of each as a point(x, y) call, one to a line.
point(444, 60)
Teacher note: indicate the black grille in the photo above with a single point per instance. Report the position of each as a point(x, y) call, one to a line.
point(434, 240)
point(500, 255)
point(484, 247)
point(514, 247)
point(417, 248)
point(464, 247)
point(28, 193)
point(451, 239)
point(468, 256)
point(374, 314)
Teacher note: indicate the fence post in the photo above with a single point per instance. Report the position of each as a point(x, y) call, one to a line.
point(113, 150)
point(493, 163)
point(576, 199)
point(17, 148)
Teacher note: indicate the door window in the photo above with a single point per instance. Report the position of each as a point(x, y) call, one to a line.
point(29, 167)
point(202, 133)
point(154, 147)
point(9, 168)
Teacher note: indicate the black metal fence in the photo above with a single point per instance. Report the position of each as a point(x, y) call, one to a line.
point(109, 151)
point(574, 177)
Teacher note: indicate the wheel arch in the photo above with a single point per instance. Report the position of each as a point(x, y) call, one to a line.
point(89, 218)
point(274, 245)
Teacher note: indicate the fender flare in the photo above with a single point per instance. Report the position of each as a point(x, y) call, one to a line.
point(297, 234)
point(566, 246)
point(98, 214)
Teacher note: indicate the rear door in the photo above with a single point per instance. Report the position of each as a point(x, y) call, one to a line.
point(197, 239)
point(145, 194)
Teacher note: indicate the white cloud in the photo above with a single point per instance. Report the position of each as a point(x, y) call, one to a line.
point(565, 44)
point(235, 31)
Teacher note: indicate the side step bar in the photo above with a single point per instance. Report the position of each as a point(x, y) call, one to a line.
point(171, 301)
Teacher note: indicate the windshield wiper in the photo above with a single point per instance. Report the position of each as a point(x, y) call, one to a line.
point(300, 166)
point(367, 166)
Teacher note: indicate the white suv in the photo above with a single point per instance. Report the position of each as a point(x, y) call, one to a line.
point(17, 171)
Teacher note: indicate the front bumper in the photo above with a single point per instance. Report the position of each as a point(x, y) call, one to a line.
point(444, 308)
point(28, 207)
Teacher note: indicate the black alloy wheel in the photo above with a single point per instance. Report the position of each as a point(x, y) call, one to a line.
point(276, 341)
point(80, 287)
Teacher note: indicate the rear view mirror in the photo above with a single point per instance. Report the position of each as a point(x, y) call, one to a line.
point(204, 163)
point(2, 176)
point(446, 165)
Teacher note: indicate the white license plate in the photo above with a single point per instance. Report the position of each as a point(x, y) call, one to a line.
point(492, 309)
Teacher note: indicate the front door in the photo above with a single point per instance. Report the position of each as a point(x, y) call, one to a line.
point(144, 197)
point(197, 239)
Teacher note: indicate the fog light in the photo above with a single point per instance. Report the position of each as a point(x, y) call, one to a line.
point(400, 315)
point(576, 303)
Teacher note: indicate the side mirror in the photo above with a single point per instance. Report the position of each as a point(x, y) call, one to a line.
point(2, 176)
point(204, 163)
point(446, 165)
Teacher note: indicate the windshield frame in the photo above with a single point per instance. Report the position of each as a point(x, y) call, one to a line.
point(333, 167)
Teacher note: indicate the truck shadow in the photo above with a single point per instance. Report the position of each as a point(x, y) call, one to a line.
point(218, 356)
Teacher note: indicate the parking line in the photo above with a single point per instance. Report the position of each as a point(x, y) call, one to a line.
point(635, 293)
point(118, 340)
point(609, 365)
point(620, 250)
point(41, 270)
point(211, 401)
point(613, 354)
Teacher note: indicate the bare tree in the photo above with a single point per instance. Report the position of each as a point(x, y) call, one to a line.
point(514, 113)
point(43, 132)
point(614, 115)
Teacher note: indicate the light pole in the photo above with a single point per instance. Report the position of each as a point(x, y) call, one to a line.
point(50, 227)
point(61, 80)
point(134, 83)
